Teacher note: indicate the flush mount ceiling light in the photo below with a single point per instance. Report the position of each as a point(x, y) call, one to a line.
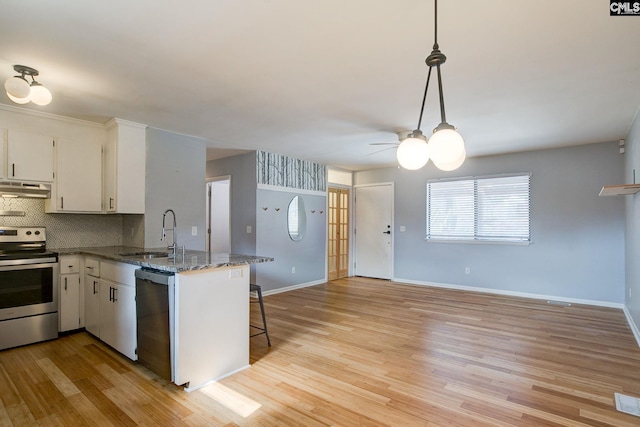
point(446, 146)
point(20, 91)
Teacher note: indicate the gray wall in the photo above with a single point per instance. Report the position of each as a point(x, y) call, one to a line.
point(578, 237)
point(633, 224)
point(307, 255)
point(242, 169)
point(175, 179)
point(269, 236)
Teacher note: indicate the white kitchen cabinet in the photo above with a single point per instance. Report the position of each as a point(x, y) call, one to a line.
point(69, 317)
point(124, 167)
point(3, 157)
point(29, 157)
point(118, 317)
point(92, 296)
point(78, 177)
point(110, 304)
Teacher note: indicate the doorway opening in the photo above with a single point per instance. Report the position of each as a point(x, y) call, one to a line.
point(219, 214)
point(338, 233)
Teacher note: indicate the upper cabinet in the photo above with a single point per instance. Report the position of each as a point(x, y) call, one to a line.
point(3, 167)
point(29, 157)
point(78, 183)
point(124, 167)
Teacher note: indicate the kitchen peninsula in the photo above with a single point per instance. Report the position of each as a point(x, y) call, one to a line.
point(210, 312)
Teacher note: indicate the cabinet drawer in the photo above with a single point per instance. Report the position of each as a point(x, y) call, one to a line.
point(118, 272)
point(92, 267)
point(69, 264)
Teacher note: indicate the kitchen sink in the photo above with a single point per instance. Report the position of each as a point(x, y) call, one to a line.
point(145, 255)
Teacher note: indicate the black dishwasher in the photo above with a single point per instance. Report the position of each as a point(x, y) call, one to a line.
point(154, 312)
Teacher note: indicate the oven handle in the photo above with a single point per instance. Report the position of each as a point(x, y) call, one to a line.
point(31, 263)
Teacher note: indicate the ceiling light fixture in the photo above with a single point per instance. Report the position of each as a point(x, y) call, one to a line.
point(446, 146)
point(20, 91)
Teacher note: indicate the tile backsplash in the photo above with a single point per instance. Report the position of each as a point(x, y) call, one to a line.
point(75, 230)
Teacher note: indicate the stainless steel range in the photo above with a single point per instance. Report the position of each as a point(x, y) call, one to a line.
point(28, 287)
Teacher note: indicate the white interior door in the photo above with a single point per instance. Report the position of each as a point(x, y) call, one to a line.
point(373, 231)
point(218, 207)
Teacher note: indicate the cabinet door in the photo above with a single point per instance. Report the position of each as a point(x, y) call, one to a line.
point(29, 156)
point(3, 163)
point(78, 176)
point(69, 310)
point(118, 317)
point(109, 185)
point(107, 325)
point(124, 317)
point(124, 167)
point(92, 304)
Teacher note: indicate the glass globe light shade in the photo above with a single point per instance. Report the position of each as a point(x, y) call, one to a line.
point(18, 100)
point(17, 87)
point(413, 153)
point(40, 95)
point(453, 165)
point(446, 147)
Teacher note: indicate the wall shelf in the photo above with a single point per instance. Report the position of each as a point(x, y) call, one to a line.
point(619, 190)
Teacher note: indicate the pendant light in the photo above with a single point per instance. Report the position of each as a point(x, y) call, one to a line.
point(20, 91)
point(446, 146)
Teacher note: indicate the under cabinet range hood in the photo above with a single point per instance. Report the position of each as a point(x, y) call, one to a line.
point(25, 189)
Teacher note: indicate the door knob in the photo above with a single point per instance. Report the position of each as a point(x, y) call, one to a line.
point(386, 232)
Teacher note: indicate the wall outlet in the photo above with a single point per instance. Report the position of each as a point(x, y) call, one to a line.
point(293, 270)
point(467, 270)
point(248, 229)
point(194, 231)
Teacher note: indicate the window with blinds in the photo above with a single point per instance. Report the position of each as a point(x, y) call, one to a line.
point(491, 208)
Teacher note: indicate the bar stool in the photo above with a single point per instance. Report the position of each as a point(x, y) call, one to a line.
point(257, 289)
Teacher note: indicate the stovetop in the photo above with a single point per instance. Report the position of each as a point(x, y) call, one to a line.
point(18, 243)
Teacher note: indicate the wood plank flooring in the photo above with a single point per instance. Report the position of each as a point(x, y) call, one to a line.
point(356, 352)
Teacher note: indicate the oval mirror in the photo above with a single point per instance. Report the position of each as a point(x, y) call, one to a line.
point(296, 219)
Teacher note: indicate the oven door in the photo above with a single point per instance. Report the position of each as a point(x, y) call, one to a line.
point(28, 288)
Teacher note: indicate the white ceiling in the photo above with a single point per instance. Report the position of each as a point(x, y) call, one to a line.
point(322, 79)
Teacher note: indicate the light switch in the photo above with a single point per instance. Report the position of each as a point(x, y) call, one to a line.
point(403, 228)
point(248, 229)
point(194, 231)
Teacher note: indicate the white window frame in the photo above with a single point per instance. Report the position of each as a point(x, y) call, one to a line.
point(467, 229)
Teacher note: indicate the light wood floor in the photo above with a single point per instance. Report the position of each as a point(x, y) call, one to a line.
point(357, 352)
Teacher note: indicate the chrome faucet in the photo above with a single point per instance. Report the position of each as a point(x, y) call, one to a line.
point(174, 245)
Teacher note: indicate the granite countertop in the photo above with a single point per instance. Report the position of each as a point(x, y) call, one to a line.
point(193, 260)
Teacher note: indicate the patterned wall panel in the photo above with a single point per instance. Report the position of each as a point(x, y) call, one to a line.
point(64, 230)
point(283, 171)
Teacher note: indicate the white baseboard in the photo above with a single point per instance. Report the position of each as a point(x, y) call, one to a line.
point(293, 287)
point(513, 293)
point(632, 325)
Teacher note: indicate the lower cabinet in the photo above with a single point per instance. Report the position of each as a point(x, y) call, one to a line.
point(118, 317)
point(92, 304)
point(110, 304)
point(69, 294)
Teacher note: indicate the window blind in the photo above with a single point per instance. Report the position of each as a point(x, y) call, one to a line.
point(492, 208)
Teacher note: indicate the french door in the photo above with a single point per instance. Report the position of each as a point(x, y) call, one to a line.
point(338, 245)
